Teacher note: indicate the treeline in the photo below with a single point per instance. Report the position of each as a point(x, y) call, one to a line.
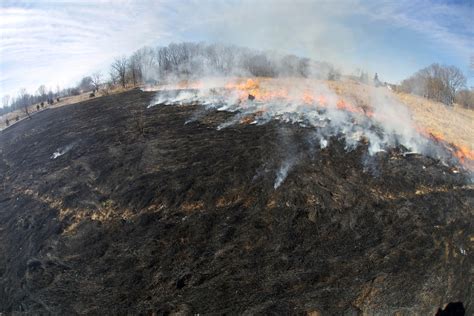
point(158, 65)
point(196, 60)
point(180, 61)
point(24, 99)
point(446, 84)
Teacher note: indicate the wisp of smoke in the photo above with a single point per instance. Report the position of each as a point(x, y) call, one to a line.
point(311, 104)
point(282, 173)
point(61, 151)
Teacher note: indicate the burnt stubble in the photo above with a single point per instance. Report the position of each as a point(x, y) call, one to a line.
point(146, 214)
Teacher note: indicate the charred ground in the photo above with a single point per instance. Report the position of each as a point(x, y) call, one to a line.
point(143, 213)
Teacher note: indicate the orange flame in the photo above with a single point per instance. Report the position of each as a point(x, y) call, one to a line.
point(264, 94)
point(462, 153)
point(253, 87)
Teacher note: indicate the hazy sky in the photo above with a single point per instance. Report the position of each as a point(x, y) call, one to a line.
point(58, 42)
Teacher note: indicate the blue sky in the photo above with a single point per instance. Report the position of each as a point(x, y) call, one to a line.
point(58, 42)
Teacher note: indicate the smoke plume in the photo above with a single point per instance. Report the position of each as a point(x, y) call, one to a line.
point(383, 125)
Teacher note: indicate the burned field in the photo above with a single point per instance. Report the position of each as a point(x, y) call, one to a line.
point(110, 206)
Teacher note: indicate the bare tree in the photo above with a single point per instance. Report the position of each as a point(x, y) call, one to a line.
point(24, 98)
point(6, 100)
point(97, 80)
point(437, 82)
point(51, 95)
point(454, 80)
point(465, 98)
point(86, 84)
point(135, 68)
point(113, 77)
point(120, 68)
point(107, 87)
point(42, 92)
point(195, 59)
point(148, 63)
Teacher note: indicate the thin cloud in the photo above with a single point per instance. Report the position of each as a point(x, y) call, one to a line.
point(450, 27)
point(59, 42)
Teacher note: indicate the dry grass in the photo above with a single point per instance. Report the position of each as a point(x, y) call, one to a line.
point(454, 124)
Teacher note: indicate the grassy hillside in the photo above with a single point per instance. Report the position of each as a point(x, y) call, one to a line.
point(99, 214)
point(454, 123)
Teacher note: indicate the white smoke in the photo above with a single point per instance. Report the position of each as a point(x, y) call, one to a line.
point(282, 173)
point(386, 125)
point(61, 151)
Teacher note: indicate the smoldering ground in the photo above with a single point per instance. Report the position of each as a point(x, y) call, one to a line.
point(181, 217)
